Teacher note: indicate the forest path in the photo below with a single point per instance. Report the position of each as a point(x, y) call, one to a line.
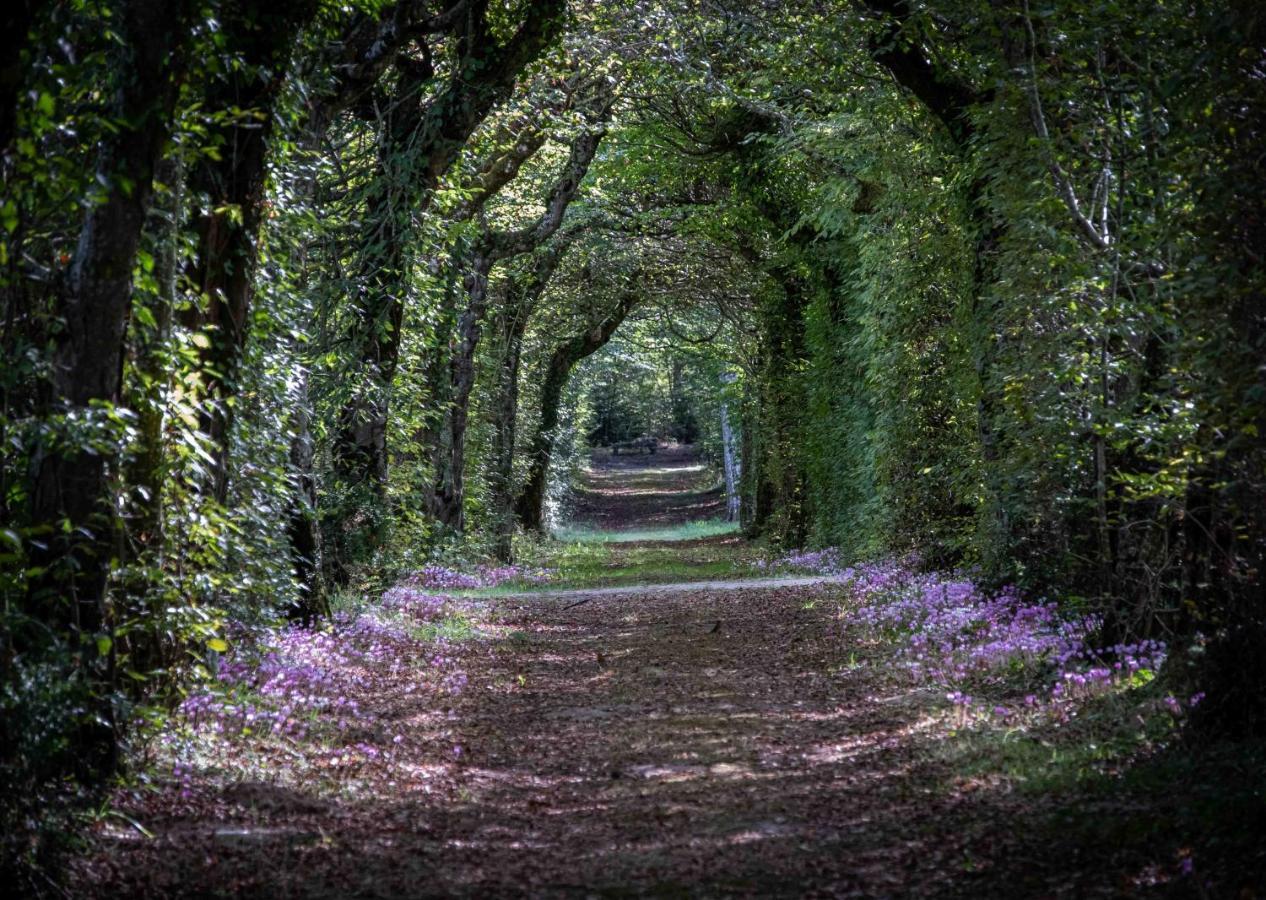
point(701, 742)
point(701, 738)
point(676, 587)
point(644, 491)
point(681, 740)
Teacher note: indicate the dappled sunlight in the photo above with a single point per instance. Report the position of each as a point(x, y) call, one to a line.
point(671, 488)
point(615, 736)
point(635, 473)
point(614, 754)
point(644, 448)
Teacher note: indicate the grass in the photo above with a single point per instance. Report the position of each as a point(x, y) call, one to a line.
point(701, 551)
point(687, 531)
point(453, 627)
point(1108, 733)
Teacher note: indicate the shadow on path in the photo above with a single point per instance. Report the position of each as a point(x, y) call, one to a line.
point(689, 740)
point(669, 487)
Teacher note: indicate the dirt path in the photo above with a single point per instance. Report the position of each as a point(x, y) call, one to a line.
point(685, 740)
point(678, 739)
point(666, 488)
point(690, 742)
point(677, 587)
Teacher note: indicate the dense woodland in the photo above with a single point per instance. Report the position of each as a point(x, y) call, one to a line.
point(297, 297)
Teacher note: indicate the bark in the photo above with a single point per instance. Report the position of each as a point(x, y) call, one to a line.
point(510, 324)
point(729, 456)
point(360, 451)
point(747, 463)
point(149, 647)
point(483, 77)
point(230, 191)
point(311, 604)
point(948, 98)
point(96, 299)
point(366, 48)
point(360, 56)
point(530, 504)
point(71, 485)
point(447, 499)
point(496, 171)
point(303, 530)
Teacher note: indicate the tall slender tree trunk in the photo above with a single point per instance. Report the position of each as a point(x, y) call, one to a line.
point(729, 459)
point(146, 476)
point(303, 528)
point(522, 293)
point(396, 195)
point(530, 504)
point(449, 458)
point(509, 326)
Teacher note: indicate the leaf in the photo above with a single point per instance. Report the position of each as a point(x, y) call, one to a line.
point(219, 645)
point(145, 316)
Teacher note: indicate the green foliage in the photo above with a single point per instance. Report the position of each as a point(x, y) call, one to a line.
point(1002, 312)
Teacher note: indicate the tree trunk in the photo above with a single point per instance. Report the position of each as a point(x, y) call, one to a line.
point(72, 484)
point(425, 141)
point(510, 326)
point(950, 99)
point(530, 505)
point(303, 530)
point(729, 457)
point(446, 501)
point(531, 502)
point(522, 294)
point(149, 646)
point(231, 191)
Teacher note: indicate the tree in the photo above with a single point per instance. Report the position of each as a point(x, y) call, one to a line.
point(424, 139)
point(70, 507)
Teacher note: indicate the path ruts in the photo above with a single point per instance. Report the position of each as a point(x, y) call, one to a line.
point(669, 487)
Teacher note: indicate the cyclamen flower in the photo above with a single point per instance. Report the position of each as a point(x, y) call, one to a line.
point(951, 632)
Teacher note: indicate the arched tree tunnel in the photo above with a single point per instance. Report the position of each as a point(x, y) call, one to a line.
point(326, 325)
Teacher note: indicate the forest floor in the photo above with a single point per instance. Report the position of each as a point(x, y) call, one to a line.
point(687, 741)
